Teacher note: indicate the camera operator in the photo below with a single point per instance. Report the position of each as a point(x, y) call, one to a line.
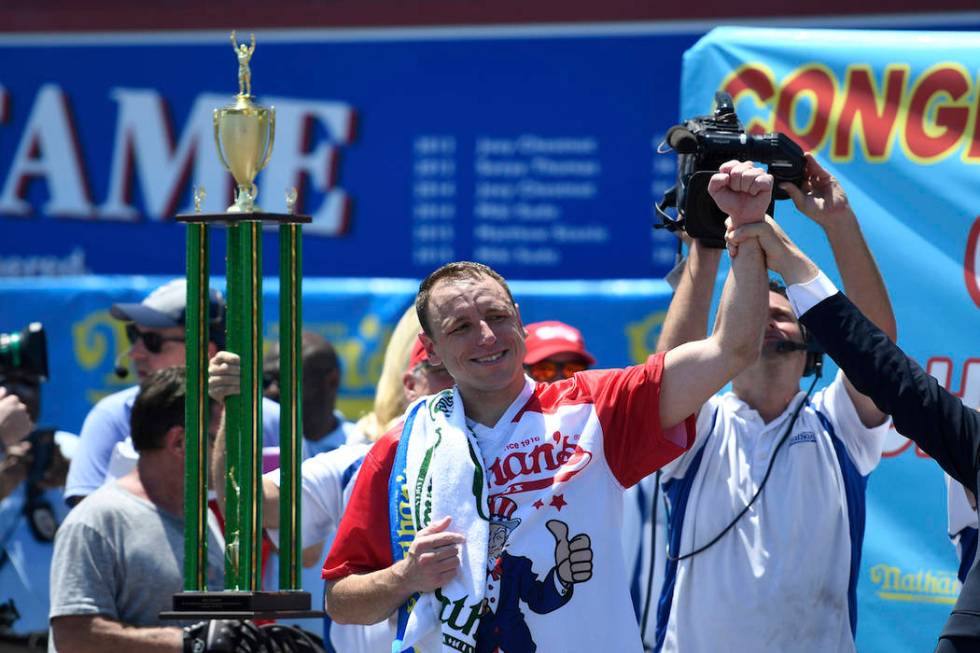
point(32, 507)
point(784, 578)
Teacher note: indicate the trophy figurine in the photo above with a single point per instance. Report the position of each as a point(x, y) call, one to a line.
point(244, 133)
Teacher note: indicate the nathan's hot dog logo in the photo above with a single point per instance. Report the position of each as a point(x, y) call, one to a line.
point(892, 583)
point(538, 462)
point(930, 115)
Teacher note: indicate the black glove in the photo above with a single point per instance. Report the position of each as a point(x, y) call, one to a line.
point(224, 636)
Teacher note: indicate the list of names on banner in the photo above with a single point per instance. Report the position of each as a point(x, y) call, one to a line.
point(526, 190)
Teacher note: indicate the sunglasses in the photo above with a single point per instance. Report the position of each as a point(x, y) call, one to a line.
point(152, 340)
point(546, 371)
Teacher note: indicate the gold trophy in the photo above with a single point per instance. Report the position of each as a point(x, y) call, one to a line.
point(244, 133)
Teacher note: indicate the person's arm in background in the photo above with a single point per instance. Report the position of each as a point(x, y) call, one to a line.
point(695, 370)
point(224, 380)
point(15, 458)
point(921, 409)
point(97, 634)
point(687, 315)
point(15, 421)
point(822, 199)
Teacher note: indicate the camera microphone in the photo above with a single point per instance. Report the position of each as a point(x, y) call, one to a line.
point(788, 346)
point(682, 140)
point(121, 370)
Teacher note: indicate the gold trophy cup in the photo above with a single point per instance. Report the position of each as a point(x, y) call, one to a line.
point(244, 133)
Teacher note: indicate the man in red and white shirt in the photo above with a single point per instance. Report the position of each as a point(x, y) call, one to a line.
point(560, 454)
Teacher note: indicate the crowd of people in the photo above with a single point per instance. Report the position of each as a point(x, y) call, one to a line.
point(480, 505)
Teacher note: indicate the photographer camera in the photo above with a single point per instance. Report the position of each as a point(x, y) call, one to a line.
point(703, 144)
point(34, 467)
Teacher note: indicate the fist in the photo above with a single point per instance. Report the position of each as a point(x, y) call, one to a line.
point(573, 558)
point(742, 191)
point(224, 375)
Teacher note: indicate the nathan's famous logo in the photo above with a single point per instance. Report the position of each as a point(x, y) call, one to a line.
point(308, 135)
point(930, 115)
point(935, 586)
point(538, 462)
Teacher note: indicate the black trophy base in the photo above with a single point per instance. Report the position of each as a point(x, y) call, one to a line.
point(232, 604)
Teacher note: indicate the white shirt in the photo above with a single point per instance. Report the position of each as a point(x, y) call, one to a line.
point(327, 482)
point(783, 578)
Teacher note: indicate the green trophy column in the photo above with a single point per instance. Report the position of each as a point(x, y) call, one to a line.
point(291, 399)
point(233, 410)
point(250, 444)
point(196, 410)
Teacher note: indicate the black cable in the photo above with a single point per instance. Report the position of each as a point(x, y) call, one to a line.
point(653, 555)
point(645, 613)
point(762, 485)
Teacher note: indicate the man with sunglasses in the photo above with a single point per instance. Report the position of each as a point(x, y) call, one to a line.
point(155, 330)
point(555, 351)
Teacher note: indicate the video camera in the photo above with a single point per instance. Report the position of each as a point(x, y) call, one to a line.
point(702, 145)
point(25, 354)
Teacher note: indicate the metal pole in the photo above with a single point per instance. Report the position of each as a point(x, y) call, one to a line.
point(291, 399)
point(196, 410)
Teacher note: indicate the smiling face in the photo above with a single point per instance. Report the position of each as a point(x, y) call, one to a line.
point(476, 333)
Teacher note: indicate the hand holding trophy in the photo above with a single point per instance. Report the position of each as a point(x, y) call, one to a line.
point(244, 133)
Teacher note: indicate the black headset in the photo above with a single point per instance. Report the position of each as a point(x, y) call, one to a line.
point(814, 353)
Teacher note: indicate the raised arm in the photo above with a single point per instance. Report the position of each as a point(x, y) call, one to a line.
point(696, 370)
point(224, 380)
point(823, 200)
point(687, 316)
point(921, 409)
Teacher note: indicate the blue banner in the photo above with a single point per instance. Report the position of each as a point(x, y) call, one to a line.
point(407, 147)
point(893, 115)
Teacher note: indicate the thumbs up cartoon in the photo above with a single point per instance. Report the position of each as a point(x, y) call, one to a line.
point(573, 558)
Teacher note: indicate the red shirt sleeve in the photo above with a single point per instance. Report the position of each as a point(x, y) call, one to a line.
point(363, 541)
point(627, 403)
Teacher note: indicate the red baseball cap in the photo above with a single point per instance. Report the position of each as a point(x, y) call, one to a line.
point(418, 354)
point(546, 339)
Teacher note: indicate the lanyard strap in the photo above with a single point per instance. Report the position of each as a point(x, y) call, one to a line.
point(399, 512)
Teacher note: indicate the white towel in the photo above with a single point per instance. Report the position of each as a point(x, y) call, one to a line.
point(445, 476)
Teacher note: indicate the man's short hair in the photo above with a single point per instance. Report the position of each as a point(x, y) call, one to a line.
point(777, 287)
point(159, 406)
point(455, 270)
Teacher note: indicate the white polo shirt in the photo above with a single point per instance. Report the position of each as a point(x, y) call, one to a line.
point(784, 578)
